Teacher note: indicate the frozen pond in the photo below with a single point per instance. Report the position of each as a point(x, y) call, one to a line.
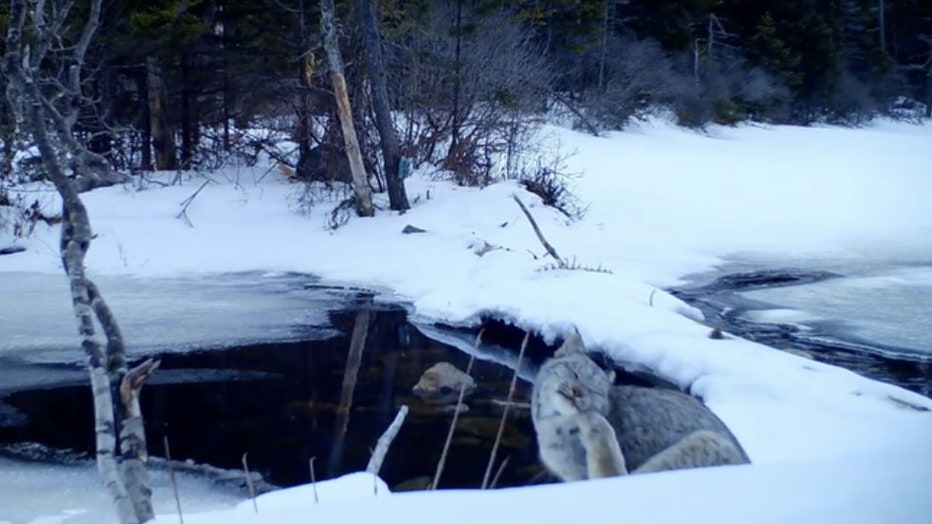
point(165, 314)
point(253, 363)
point(79, 497)
point(888, 310)
point(871, 315)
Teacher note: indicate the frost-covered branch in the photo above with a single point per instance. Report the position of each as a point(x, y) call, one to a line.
point(385, 441)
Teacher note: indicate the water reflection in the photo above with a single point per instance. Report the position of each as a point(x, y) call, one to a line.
point(286, 403)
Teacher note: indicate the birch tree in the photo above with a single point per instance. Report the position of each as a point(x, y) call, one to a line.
point(328, 25)
point(44, 74)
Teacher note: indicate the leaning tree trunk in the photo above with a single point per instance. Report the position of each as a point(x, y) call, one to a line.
point(344, 110)
point(163, 138)
point(49, 119)
point(391, 149)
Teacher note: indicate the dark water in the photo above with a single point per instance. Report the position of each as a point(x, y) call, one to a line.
point(281, 404)
point(824, 341)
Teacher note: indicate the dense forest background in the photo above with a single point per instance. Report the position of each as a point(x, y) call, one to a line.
point(186, 83)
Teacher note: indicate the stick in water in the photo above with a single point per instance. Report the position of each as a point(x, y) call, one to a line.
point(381, 447)
point(252, 489)
point(456, 415)
point(498, 474)
point(171, 477)
point(310, 465)
point(501, 424)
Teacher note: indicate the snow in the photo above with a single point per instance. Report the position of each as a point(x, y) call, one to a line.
point(663, 203)
point(866, 490)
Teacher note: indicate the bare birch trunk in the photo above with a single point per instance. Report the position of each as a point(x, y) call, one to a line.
point(133, 447)
point(43, 119)
point(344, 110)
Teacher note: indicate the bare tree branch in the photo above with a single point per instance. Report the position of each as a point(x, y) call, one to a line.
point(540, 236)
point(381, 447)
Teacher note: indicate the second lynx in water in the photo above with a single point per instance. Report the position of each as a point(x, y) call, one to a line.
point(588, 428)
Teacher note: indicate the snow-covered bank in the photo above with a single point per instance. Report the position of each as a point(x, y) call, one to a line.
point(664, 202)
point(871, 488)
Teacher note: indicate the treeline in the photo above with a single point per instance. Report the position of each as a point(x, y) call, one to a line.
point(186, 83)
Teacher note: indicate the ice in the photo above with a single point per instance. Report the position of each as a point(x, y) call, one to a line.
point(887, 307)
point(779, 316)
point(36, 492)
point(163, 313)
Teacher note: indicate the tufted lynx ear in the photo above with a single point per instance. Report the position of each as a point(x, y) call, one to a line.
point(572, 343)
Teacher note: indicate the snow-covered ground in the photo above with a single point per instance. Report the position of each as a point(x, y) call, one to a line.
point(663, 203)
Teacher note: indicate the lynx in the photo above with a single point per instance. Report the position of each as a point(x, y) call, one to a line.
point(588, 428)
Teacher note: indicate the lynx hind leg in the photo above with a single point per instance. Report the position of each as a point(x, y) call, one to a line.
point(603, 454)
point(699, 449)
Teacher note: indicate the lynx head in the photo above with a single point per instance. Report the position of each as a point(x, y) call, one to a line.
point(571, 383)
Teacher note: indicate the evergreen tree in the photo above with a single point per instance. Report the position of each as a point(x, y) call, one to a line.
point(768, 50)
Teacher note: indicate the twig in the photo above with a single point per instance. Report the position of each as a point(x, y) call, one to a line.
point(310, 464)
point(183, 214)
point(133, 381)
point(149, 180)
point(516, 405)
point(540, 236)
point(252, 489)
point(650, 301)
point(456, 415)
point(171, 476)
point(381, 447)
point(537, 477)
point(498, 474)
point(501, 423)
point(582, 118)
